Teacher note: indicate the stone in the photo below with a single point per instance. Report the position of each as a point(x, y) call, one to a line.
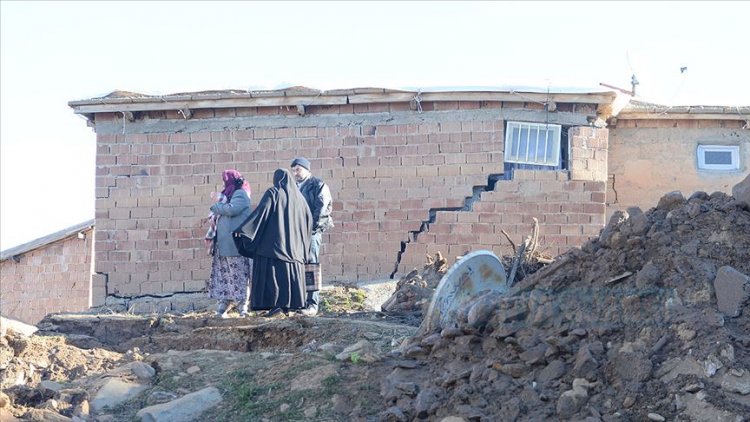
point(83, 409)
point(45, 415)
point(74, 396)
point(408, 388)
point(655, 417)
point(157, 397)
point(673, 368)
point(515, 370)
point(736, 384)
point(741, 191)
point(534, 354)
point(50, 387)
point(142, 371)
point(571, 401)
point(585, 365)
point(113, 392)
point(552, 371)
point(311, 412)
point(481, 311)
point(453, 419)
point(700, 410)
point(639, 223)
point(183, 409)
point(671, 200)
point(10, 324)
point(394, 414)
point(648, 276)
point(328, 348)
point(193, 370)
point(362, 350)
point(732, 290)
point(632, 364)
point(607, 235)
point(426, 402)
point(284, 407)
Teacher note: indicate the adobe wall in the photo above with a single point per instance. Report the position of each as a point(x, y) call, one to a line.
point(52, 278)
point(387, 167)
point(649, 158)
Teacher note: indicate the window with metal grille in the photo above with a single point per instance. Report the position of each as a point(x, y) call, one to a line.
point(718, 157)
point(532, 143)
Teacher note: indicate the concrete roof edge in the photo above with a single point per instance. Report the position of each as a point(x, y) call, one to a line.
point(636, 109)
point(124, 97)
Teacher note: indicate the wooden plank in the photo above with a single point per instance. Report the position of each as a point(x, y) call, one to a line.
point(158, 104)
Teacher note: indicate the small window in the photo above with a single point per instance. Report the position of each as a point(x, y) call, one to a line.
point(532, 143)
point(718, 157)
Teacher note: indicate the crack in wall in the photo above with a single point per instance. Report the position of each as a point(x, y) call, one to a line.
point(469, 201)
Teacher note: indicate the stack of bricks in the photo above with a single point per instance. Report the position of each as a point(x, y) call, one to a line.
point(52, 278)
point(385, 176)
point(588, 153)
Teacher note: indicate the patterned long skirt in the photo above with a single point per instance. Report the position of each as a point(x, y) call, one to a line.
point(230, 278)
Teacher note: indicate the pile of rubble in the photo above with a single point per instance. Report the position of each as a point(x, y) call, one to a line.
point(647, 322)
point(414, 290)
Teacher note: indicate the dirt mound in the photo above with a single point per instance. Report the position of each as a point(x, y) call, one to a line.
point(625, 328)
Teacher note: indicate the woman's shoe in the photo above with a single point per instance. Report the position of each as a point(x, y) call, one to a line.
point(275, 313)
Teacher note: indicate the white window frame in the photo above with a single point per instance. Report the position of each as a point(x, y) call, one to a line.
point(547, 129)
point(733, 149)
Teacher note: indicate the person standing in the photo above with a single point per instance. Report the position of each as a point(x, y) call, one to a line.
point(277, 236)
point(230, 272)
point(318, 198)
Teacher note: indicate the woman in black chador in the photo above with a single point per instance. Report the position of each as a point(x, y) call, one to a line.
point(277, 236)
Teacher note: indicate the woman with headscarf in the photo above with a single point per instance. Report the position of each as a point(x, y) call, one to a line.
point(230, 271)
point(277, 236)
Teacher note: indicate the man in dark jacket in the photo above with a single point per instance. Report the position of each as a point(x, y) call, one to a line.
point(318, 198)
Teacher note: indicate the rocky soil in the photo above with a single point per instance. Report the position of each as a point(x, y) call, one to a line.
point(648, 322)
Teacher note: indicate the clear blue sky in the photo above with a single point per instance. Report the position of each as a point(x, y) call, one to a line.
point(54, 52)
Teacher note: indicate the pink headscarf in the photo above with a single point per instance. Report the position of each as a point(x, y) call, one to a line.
point(230, 177)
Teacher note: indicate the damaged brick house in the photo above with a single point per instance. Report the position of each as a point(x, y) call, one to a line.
point(411, 172)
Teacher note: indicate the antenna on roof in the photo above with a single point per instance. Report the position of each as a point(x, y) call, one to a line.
point(633, 83)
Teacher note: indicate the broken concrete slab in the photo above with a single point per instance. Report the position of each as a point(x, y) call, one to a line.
point(184, 409)
point(115, 391)
point(732, 290)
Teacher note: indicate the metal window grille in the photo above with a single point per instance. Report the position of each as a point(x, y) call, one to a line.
point(718, 157)
point(532, 143)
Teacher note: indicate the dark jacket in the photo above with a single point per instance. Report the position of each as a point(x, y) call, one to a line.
point(280, 226)
point(318, 198)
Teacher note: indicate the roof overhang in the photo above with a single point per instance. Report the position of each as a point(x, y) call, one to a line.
point(132, 102)
point(18, 251)
point(647, 111)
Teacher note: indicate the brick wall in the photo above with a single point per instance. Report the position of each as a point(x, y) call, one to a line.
point(52, 278)
point(387, 167)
